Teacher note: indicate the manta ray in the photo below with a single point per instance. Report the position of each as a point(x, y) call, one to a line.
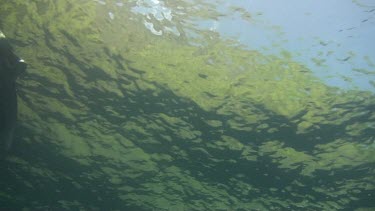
point(10, 67)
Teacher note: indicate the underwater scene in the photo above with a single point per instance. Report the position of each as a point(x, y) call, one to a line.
point(187, 105)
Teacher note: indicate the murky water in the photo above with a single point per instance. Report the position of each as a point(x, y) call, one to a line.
point(189, 105)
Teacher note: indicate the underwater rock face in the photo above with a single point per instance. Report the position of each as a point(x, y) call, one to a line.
point(114, 117)
point(10, 67)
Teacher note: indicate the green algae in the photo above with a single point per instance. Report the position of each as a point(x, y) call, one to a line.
point(144, 122)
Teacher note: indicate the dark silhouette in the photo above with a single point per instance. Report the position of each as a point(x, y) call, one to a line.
point(10, 67)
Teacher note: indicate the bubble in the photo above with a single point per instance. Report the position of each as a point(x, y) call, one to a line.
point(111, 15)
point(120, 4)
point(101, 2)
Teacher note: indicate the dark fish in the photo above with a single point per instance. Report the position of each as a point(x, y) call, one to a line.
point(345, 59)
point(10, 67)
point(323, 43)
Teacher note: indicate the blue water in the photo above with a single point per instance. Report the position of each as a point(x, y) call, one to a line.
point(327, 31)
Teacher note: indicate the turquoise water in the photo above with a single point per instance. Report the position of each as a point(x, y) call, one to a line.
point(191, 105)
